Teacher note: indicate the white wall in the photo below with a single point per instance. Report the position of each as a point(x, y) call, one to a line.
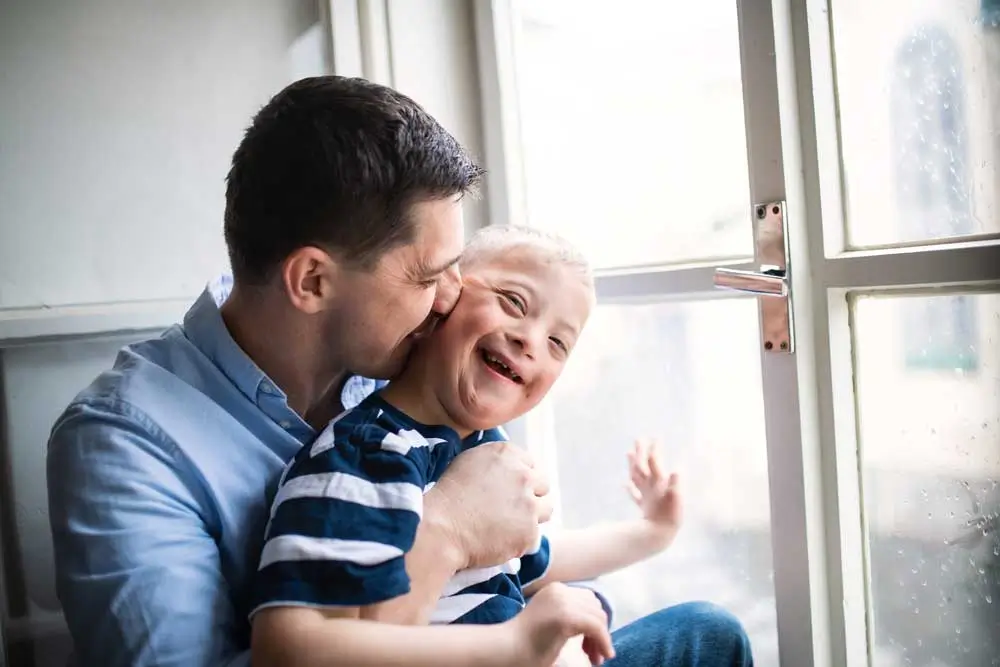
point(119, 119)
point(118, 123)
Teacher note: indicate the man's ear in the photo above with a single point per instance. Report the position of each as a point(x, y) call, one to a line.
point(308, 276)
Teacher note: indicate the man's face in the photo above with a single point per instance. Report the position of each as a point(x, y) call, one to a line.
point(382, 311)
point(508, 338)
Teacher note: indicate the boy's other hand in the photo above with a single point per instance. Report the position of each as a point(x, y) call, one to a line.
point(573, 654)
point(489, 502)
point(656, 492)
point(554, 616)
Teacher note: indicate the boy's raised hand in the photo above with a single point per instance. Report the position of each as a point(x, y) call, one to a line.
point(554, 615)
point(656, 492)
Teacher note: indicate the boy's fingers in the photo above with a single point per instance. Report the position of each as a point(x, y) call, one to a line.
point(633, 491)
point(656, 465)
point(642, 456)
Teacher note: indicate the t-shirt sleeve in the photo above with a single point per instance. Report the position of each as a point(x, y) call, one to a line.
point(344, 516)
point(535, 564)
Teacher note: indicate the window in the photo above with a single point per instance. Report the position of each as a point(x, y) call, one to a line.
point(875, 482)
point(932, 190)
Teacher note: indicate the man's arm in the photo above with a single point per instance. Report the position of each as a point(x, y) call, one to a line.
point(430, 564)
point(483, 511)
point(137, 572)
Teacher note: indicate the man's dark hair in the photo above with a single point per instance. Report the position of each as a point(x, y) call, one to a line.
point(336, 163)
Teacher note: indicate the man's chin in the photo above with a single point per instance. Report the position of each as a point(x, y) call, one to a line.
point(426, 328)
point(400, 360)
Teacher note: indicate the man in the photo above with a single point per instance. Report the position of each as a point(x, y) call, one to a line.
point(343, 223)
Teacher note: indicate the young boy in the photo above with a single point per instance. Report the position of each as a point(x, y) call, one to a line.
point(347, 508)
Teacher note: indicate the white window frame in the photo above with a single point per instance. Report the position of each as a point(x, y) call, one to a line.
point(817, 519)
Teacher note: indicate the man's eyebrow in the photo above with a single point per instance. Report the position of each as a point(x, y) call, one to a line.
point(425, 271)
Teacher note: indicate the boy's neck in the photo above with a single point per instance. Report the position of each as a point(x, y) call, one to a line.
point(410, 395)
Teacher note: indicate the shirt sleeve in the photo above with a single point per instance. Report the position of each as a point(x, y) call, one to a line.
point(138, 573)
point(344, 517)
point(534, 565)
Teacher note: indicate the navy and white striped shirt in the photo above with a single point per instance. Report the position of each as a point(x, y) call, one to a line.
point(346, 513)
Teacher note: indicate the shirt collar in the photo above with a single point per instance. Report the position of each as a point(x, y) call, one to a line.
point(206, 329)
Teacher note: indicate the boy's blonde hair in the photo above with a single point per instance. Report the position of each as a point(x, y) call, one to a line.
point(496, 240)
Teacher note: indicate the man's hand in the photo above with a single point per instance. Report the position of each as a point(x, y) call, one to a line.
point(489, 502)
point(553, 617)
point(655, 492)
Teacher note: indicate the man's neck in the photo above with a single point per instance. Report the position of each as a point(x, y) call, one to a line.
point(270, 334)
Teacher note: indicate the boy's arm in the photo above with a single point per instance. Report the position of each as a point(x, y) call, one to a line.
point(578, 555)
point(587, 553)
point(303, 637)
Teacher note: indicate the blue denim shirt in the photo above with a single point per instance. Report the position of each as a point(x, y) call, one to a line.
point(159, 475)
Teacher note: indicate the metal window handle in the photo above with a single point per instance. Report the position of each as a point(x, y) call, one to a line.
point(771, 281)
point(764, 283)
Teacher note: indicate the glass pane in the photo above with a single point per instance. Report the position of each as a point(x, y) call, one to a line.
point(632, 128)
point(928, 373)
point(689, 375)
point(919, 92)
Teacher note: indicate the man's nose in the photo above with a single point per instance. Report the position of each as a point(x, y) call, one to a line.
point(448, 290)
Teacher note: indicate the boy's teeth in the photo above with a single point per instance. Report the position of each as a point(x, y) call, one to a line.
point(505, 367)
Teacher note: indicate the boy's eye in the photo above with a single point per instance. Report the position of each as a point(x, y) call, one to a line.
point(516, 301)
point(429, 283)
point(561, 345)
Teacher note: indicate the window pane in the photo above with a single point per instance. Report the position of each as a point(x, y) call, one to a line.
point(929, 405)
point(689, 375)
point(632, 124)
point(919, 94)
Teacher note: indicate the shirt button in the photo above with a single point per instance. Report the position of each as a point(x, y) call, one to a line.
point(266, 388)
point(285, 424)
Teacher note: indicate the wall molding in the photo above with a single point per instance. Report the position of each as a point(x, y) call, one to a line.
point(359, 40)
point(34, 325)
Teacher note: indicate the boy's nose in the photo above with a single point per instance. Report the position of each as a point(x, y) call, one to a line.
point(525, 341)
point(448, 290)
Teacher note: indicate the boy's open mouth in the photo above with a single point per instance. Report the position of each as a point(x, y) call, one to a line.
point(499, 366)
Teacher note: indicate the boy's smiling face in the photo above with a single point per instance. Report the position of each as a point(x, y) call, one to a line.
point(508, 338)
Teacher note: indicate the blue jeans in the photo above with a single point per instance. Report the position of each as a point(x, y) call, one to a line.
point(694, 634)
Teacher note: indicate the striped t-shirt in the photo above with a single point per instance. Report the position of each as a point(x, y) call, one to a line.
point(346, 513)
